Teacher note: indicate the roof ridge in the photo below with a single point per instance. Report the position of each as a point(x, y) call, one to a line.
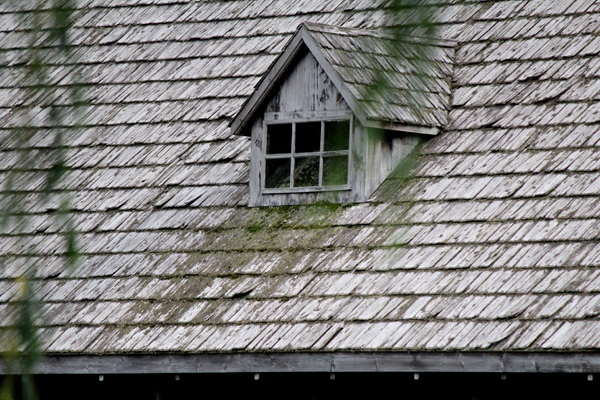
point(378, 33)
point(340, 30)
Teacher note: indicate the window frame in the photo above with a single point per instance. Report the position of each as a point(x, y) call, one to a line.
point(277, 119)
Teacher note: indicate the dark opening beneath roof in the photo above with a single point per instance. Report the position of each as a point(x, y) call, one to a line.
point(313, 386)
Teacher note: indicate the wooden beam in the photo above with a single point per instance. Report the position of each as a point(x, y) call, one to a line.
point(393, 126)
point(321, 362)
point(333, 75)
point(266, 84)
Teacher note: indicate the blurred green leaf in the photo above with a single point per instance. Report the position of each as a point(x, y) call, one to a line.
point(22, 350)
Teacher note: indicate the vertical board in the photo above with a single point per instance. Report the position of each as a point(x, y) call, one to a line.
point(256, 162)
point(306, 89)
point(385, 151)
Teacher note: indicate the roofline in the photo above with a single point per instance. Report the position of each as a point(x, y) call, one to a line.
point(269, 80)
point(380, 33)
point(266, 84)
point(481, 362)
point(333, 75)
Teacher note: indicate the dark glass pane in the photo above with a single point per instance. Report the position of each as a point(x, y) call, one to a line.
point(335, 170)
point(279, 139)
point(337, 135)
point(278, 173)
point(308, 137)
point(306, 172)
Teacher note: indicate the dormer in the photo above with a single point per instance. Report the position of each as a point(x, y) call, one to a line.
point(320, 133)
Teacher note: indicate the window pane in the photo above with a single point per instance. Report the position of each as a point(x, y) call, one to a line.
point(337, 135)
point(279, 139)
point(335, 170)
point(278, 173)
point(308, 137)
point(306, 172)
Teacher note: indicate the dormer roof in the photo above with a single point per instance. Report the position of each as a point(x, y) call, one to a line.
point(356, 58)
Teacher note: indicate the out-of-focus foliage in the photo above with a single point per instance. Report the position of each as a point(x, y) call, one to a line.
point(43, 113)
point(412, 18)
point(411, 24)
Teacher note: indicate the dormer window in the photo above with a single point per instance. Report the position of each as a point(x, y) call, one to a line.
point(314, 135)
point(308, 155)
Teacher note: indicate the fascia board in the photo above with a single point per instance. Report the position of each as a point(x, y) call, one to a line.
point(386, 361)
point(333, 75)
point(393, 126)
point(266, 84)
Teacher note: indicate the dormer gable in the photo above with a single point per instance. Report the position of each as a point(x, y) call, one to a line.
point(318, 134)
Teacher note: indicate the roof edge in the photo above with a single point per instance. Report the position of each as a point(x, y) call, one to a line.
point(490, 362)
point(394, 126)
point(333, 75)
point(267, 83)
point(379, 33)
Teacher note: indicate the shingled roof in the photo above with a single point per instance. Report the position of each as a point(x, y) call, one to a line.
point(490, 243)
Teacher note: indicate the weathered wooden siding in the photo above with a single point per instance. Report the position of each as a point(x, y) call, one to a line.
point(385, 151)
point(306, 89)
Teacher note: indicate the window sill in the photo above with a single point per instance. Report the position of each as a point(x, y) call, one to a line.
point(313, 189)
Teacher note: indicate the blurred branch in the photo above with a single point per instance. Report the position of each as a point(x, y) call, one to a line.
point(411, 24)
point(36, 134)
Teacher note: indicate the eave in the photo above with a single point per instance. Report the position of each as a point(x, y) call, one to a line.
point(423, 362)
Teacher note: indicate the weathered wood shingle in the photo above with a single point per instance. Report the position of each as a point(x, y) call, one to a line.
point(491, 243)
